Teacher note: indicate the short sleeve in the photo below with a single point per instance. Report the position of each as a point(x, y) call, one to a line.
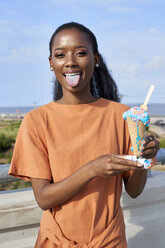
point(30, 156)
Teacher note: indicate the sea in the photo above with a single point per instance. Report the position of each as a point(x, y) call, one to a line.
point(154, 109)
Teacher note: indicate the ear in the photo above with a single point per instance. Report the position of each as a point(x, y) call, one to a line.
point(97, 58)
point(50, 61)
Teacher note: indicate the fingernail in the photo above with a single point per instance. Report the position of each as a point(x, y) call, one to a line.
point(139, 165)
point(139, 154)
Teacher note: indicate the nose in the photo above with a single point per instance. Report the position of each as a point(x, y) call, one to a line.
point(70, 60)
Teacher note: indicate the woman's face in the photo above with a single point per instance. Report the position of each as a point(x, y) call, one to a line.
point(73, 59)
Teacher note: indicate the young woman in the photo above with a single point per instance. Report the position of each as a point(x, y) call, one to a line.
point(72, 149)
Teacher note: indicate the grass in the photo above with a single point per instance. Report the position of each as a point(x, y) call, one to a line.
point(162, 143)
point(20, 184)
point(8, 133)
point(10, 128)
point(5, 157)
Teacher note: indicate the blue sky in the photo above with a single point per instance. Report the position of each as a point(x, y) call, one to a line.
point(130, 34)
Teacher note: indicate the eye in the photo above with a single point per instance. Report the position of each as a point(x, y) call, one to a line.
point(81, 53)
point(59, 55)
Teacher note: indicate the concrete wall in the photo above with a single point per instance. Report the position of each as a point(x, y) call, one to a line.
point(144, 217)
point(19, 219)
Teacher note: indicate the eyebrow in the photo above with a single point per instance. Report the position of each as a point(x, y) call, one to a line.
point(61, 48)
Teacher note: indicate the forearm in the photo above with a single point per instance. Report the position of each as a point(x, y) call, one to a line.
point(136, 182)
point(53, 194)
point(49, 195)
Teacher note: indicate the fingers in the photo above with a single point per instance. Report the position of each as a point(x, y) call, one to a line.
point(149, 147)
point(149, 142)
point(148, 139)
point(112, 165)
point(149, 153)
point(117, 162)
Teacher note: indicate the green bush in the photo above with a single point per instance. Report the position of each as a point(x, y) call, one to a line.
point(9, 157)
point(20, 184)
point(162, 143)
point(13, 125)
point(5, 142)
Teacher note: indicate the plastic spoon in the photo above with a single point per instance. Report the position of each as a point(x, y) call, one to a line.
point(151, 89)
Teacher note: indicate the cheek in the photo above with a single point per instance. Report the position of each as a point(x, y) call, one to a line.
point(58, 75)
point(90, 68)
point(88, 64)
point(57, 67)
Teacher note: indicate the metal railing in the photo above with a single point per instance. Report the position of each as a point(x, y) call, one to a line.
point(4, 176)
point(160, 157)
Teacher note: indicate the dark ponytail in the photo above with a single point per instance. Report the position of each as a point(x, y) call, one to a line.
point(102, 84)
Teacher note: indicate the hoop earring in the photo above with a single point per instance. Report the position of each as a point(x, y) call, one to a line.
point(51, 68)
point(97, 65)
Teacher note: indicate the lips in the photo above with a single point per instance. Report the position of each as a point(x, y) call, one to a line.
point(72, 78)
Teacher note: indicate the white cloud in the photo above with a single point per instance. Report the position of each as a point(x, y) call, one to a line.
point(134, 58)
point(26, 54)
point(152, 30)
point(22, 43)
point(61, 2)
point(125, 70)
point(37, 30)
point(17, 29)
point(157, 62)
point(109, 23)
point(123, 10)
point(6, 27)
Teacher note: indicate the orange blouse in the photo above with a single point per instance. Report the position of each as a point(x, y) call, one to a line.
point(54, 141)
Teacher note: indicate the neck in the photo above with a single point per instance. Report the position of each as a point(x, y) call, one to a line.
point(71, 98)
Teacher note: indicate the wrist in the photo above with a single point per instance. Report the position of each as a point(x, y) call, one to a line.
point(90, 170)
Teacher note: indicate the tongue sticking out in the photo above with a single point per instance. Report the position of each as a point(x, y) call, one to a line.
point(72, 80)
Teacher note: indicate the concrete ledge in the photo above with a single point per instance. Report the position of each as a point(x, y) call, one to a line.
point(19, 219)
point(22, 237)
point(144, 216)
point(18, 208)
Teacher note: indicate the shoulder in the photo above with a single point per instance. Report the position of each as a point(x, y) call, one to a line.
point(119, 107)
point(36, 119)
point(115, 107)
point(39, 113)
